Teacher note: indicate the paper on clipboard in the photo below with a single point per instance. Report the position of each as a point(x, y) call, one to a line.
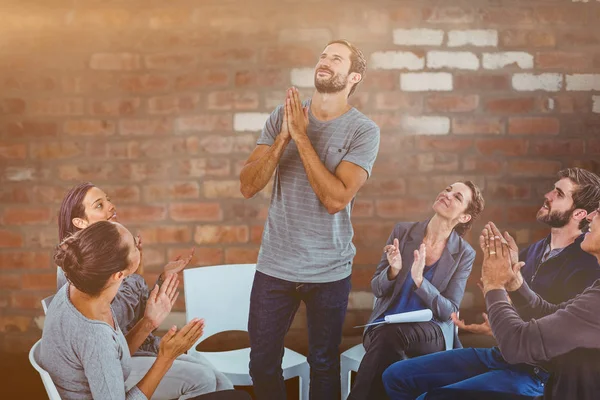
point(411, 316)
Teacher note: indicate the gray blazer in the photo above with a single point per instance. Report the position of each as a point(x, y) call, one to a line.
point(447, 287)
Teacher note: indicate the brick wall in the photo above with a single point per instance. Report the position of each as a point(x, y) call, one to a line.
point(160, 104)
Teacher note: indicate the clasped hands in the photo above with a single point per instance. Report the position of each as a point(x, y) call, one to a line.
point(501, 269)
point(295, 117)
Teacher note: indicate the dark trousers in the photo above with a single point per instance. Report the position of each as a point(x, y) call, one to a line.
point(445, 374)
point(387, 344)
point(575, 375)
point(224, 395)
point(273, 304)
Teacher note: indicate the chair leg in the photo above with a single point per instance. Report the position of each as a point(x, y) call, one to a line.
point(304, 382)
point(345, 380)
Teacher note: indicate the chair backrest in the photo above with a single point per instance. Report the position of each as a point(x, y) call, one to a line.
point(34, 355)
point(221, 295)
point(46, 303)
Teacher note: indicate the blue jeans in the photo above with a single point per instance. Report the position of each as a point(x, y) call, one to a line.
point(273, 304)
point(477, 370)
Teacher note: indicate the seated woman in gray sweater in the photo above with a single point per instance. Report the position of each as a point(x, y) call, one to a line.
point(83, 349)
point(85, 205)
point(425, 265)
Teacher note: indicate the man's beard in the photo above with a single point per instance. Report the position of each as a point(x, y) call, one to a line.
point(335, 84)
point(556, 219)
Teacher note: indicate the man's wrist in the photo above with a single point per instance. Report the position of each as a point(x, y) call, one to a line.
point(491, 286)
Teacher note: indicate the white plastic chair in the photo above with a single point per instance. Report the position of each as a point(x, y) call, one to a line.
point(221, 295)
point(46, 303)
point(350, 361)
point(48, 384)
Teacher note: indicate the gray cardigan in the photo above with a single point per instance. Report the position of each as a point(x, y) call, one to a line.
point(86, 359)
point(447, 287)
point(551, 330)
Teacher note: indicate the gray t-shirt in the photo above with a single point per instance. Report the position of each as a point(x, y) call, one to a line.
point(86, 359)
point(302, 242)
point(128, 306)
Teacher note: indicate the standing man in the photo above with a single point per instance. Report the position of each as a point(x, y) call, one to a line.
point(322, 152)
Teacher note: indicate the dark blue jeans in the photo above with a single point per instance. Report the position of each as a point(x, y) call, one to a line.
point(273, 304)
point(478, 370)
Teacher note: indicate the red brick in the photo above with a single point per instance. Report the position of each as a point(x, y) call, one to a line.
point(232, 55)
point(10, 239)
point(140, 214)
point(14, 194)
point(526, 38)
point(173, 104)
point(504, 147)
point(49, 194)
point(477, 126)
point(56, 107)
point(144, 83)
point(387, 120)
point(107, 18)
point(593, 147)
point(562, 60)
point(122, 194)
point(384, 187)
point(392, 144)
point(10, 281)
point(19, 260)
point(452, 103)
point(380, 80)
point(241, 255)
point(205, 123)
point(222, 189)
point(428, 162)
point(141, 171)
point(363, 209)
point(12, 106)
point(574, 16)
point(115, 61)
point(405, 14)
point(507, 191)
point(39, 281)
point(171, 191)
point(397, 101)
point(166, 234)
point(372, 234)
point(403, 208)
point(256, 233)
point(213, 234)
point(98, 172)
point(114, 107)
point(246, 210)
point(510, 105)
point(433, 185)
point(520, 214)
point(146, 127)
point(448, 15)
point(209, 212)
point(261, 78)
point(479, 83)
point(170, 61)
point(536, 169)
point(361, 100)
point(557, 147)
point(565, 103)
point(201, 79)
point(289, 56)
point(533, 126)
point(201, 167)
point(28, 83)
point(89, 127)
point(26, 216)
point(590, 165)
point(202, 256)
point(507, 16)
point(483, 165)
point(228, 100)
point(55, 151)
point(32, 129)
point(444, 144)
point(42, 237)
point(30, 300)
point(576, 39)
point(15, 151)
